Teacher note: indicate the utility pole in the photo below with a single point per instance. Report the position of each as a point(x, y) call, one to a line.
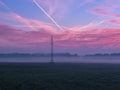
point(52, 50)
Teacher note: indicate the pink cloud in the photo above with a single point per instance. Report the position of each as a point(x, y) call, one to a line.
point(103, 10)
point(116, 15)
point(107, 9)
point(94, 38)
point(31, 24)
point(116, 22)
point(22, 38)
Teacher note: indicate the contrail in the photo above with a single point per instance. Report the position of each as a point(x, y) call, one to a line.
point(48, 15)
point(3, 4)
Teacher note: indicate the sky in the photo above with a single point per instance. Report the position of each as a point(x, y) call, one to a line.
point(78, 26)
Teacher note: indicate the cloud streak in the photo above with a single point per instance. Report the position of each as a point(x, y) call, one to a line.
point(3, 4)
point(115, 22)
point(48, 15)
point(108, 9)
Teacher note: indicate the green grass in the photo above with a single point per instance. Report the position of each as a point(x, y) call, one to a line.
point(59, 76)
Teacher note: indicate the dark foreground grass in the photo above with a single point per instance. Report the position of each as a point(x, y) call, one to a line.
point(59, 76)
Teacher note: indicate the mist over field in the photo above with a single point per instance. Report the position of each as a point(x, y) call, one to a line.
point(63, 59)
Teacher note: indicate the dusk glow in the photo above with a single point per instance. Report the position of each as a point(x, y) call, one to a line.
point(78, 26)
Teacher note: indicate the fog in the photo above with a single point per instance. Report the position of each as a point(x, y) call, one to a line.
point(64, 59)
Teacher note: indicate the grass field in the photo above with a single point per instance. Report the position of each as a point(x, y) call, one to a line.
point(59, 76)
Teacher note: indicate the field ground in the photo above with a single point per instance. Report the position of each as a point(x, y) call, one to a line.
point(59, 76)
